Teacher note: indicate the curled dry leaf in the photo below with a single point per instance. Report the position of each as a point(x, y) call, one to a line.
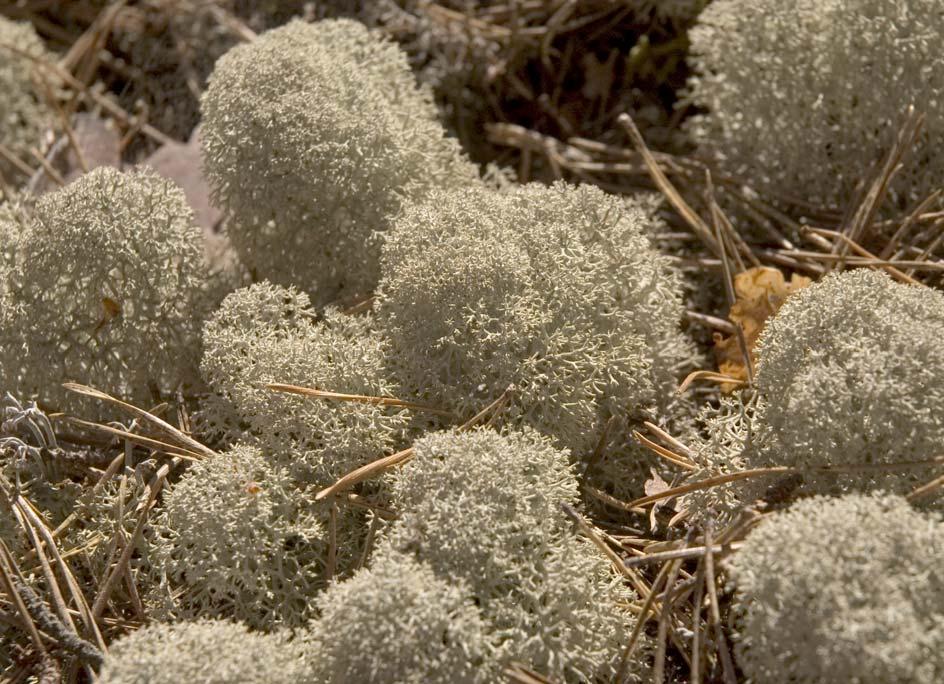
point(760, 293)
point(656, 485)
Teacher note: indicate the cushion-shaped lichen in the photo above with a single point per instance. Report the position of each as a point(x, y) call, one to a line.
point(313, 136)
point(846, 589)
point(107, 288)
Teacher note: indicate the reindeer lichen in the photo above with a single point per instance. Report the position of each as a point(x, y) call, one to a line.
point(846, 589)
point(107, 289)
point(313, 136)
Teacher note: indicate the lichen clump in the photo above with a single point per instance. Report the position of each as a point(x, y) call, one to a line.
point(485, 509)
point(106, 288)
point(266, 334)
point(796, 92)
point(718, 448)
point(848, 374)
point(398, 622)
point(313, 137)
point(555, 290)
point(209, 651)
point(235, 538)
point(24, 112)
point(843, 589)
point(9, 235)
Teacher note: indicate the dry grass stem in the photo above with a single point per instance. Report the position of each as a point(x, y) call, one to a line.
point(161, 425)
point(775, 470)
point(669, 439)
point(7, 571)
point(358, 398)
point(687, 553)
point(120, 567)
point(698, 226)
point(868, 208)
point(715, 610)
point(862, 252)
point(664, 453)
point(709, 376)
point(157, 445)
point(647, 606)
point(638, 584)
point(658, 672)
point(696, 658)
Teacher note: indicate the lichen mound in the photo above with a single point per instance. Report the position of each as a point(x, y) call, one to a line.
point(550, 598)
point(845, 589)
point(208, 651)
point(398, 623)
point(849, 374)
point(266, 334)
point(106, 287)
point(555, 290)
point(313, 136)
point(236, 539)
point(796, 93)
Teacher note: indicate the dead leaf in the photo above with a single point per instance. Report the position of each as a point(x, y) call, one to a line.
point(183, 164)
point(598, 76)
point(111, 308)
point(655, 485)
point(760, 293)
point(110, 311)
point(100, 143)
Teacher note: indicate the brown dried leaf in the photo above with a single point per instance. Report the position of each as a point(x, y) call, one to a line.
point(111, 308)
point(653, 486)
point(760, 292)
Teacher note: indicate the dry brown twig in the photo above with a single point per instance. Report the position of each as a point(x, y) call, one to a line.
point(598, 163)
point(698, 226)
point(121, 566)
point(715, 610)
point(867, 209)
point(658, 673)
point(665, 454)
point(752, 473)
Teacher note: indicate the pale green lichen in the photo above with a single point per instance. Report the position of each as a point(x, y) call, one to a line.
point(486, 509)
point(107, 289)
point(717, 450)
point(236, 538)
point(796, 92)
point(13, 219)
point(206, 651)
point(268, 334)
point(849, 374)
point(24, 112)
point(843, 589)
point(313, 137)
point(555, 290)
point(398, 622)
